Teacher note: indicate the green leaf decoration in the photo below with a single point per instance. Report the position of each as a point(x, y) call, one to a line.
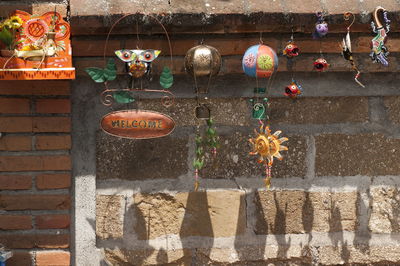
point(97, 74)
point(166, 78)
point(123, 97)
point(198, 140)
point(211, 131)
point(199, 151)
point(110, 72)
point(198, 164)
point(100, 75)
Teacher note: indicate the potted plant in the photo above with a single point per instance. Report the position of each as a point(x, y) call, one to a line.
point(8, 34)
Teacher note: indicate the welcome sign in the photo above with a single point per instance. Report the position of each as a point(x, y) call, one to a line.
point(137, 124)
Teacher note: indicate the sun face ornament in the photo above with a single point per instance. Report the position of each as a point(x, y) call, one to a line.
point(267, 146)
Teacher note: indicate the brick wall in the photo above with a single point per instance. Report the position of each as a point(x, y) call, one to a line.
point(35, 171)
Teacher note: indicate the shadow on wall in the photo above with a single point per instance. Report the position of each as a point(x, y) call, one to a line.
point(160, 215)
point(182, 229)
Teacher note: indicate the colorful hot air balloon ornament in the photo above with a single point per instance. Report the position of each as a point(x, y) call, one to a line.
point(203, 62)
point(260, 62)
point(380, 52)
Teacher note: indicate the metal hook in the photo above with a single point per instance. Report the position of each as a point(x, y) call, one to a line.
point(347, 16)
point(261, 41)
point(202, 35)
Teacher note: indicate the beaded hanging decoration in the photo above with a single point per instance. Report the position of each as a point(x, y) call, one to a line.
point(347, 51)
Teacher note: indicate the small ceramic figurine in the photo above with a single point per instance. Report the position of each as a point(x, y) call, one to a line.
point(321, 64)
point(321, 27)
point(291, 50)
point(293, 90)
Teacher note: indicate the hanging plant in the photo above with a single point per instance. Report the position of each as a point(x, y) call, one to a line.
point(212, 136)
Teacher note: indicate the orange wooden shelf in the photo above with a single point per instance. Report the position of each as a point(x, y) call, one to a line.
point(52, 67)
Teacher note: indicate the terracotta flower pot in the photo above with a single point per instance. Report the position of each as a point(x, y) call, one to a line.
point(6, 53)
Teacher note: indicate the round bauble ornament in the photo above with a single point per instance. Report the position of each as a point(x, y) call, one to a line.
point(202, 60)
point(291, 50)
point(321, 64)
point(260, 61)
point(321, 29)
point(293, 90)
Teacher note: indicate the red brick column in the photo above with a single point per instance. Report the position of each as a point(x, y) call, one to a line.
point(35, 171)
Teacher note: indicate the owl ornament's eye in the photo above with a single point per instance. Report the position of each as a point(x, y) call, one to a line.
point(125, 55)
point(149, 55)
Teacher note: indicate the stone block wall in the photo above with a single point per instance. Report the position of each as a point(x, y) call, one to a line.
point(333, 198)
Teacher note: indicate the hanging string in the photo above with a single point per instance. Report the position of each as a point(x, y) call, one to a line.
point(137, 35)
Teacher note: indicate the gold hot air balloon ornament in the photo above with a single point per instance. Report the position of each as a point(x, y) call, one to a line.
point(202, 62)
point(267, 146)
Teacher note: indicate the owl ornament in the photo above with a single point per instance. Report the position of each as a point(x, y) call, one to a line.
point(267, 146)
point(138, 62)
